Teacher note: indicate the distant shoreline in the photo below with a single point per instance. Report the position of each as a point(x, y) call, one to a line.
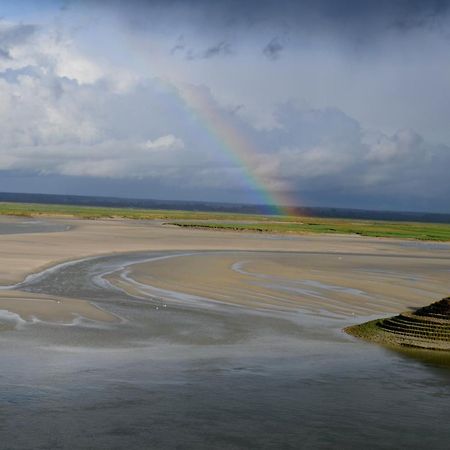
point(374, 229)
point(223, 207)
point(437, 232)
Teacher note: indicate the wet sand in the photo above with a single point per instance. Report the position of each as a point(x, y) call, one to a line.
point(342, 284)
point(14, 225)
point(32, 306)
point(22, 254)
point(346, 275)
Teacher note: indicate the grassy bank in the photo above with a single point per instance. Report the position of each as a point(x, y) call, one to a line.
point(401, 230)
point(94, 212)
point(369, 331)
point(240, 222)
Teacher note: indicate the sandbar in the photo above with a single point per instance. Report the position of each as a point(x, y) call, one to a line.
point(349, 275)
point(347, 285)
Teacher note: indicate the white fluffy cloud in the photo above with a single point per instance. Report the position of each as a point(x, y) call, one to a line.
point(52, 112)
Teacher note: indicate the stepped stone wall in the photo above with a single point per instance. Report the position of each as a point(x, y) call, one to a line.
point(427, 328)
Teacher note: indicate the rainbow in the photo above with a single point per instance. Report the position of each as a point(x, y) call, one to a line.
point(232, 142)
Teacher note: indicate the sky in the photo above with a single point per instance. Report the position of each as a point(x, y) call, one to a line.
point(308, 103)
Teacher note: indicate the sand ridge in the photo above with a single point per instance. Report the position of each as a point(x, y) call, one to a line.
point(344, 285)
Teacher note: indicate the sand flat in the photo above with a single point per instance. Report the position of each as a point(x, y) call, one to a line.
point(23, 254)
point(343, 274)
point(346, 285)
point(48, 308)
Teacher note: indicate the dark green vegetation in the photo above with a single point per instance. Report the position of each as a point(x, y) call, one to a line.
point(427, 328)
point(241, 222)
point(298, 225)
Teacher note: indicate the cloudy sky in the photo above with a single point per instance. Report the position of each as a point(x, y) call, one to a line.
point(340, 103)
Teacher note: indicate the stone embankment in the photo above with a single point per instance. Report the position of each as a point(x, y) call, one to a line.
point(426, 328)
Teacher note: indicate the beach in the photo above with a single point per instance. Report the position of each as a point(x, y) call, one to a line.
point(343, 283)
point(400, 274)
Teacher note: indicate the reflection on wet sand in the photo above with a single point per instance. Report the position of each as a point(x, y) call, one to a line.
point(346, 285)
point(26, 307)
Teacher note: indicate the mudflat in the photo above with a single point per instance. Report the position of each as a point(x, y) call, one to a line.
point(349, 275)
point(341, 283)
point(22, 254)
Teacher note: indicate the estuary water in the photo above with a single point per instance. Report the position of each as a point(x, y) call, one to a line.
point(26, 225)
point(184, 373)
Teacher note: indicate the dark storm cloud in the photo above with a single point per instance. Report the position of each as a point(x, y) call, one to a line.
point(11, 35)
point(15, 34)
point(179, 46)
point(4, 54)
point(218, 49)
point(222, 48)
point(362, 19)
point(273, 49)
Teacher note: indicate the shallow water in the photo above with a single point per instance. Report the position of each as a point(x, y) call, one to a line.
point(203, 375)
point(24, 225)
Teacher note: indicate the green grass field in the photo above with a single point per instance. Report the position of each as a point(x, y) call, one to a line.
point(401, 230)
point(241, 222)
point(94, 212)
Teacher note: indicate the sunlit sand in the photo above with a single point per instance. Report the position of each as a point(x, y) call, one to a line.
point(344, 275)
point(347, 285)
